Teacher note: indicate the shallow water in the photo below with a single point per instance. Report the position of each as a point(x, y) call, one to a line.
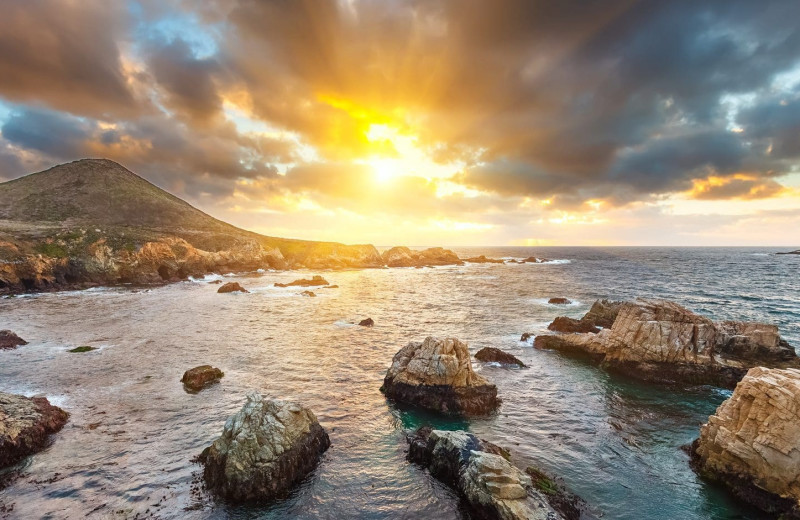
point(615, 442)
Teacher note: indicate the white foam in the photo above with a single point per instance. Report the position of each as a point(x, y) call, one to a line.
point(544, 302)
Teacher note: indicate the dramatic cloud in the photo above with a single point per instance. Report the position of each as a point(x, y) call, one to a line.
point(505, 118)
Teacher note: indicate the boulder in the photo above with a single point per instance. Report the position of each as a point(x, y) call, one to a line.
point(265, 449)
point(437, 374)
point(526, 336)
point(559, 301)
point(305, 282)
point(369, 322)
point(25, 424)
point(752, 442)
point(483, 260)
point(310, 294)
point(661, 341)
point(197, 378)
point(9, 340)
point(491, 354)
point(480, 472)
point(231, 287)
point(404, 257)
point(565, 324)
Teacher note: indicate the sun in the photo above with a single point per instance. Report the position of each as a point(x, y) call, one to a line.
point(385, 169)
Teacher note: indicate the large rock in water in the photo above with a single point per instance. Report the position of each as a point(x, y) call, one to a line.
point(404, 257)
point(437, 374)
point(314, 281)
point(9, 340)
point(197, 378)
point(752, 442)
point(492, 487)
point(25, 423)
point(661, 341)
point(495, 355)
point(265, 448)
point(231, 287)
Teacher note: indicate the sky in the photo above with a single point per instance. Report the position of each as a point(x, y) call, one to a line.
point(426, 122)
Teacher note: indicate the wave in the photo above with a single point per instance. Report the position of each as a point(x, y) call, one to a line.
point(545, 302)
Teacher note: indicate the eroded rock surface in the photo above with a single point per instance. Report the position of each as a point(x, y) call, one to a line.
point(197, 378)
point(437, 374)
point(25, 423)
point(495, 355)
point(9, 340)
point(265, 449)
point(491, 486)
point(657, 340)
point(752, 442)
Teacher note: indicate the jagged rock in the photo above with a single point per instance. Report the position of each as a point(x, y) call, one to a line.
point(570, 505)
point(25, 424)
point(534, 260)
point(369, 322)
point(197, 378)
point(404, 257)
point(603, 313)
point(9, 340)
point(491, 354)
point(437, 374)
point(565, 324)
point(305, 282)
point(310, 294)
point(752, 442)
point(559, 301)
point(526, 336)
point(483, 260)
point(232, 287)
point(478, 470)
point(265, 449)
point(661, 341)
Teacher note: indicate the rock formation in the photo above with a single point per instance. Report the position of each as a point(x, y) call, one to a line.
point(9, 340)
point(661, 341)
point(437, 374)
point(197, 378)
point(310, 294)
point(405, 257)
point(480, 472)
point(483, 260)
point(316, 280)
point(559, 301)
point(231, 287)
point(526, 336)
point(603, 313)
point(795, 252)
point(25, 424)
point(491, 354)
point(535, 260)
point(752, 442)
point(368, 322)
point(265, 449)
point(565, 324)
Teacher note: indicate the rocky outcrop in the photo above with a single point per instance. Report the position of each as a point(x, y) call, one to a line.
point(404, 257)
point(479, 471)
point(483, 260)
point(231, 287)
point(9, 340)
point(559, 301)
point(661, 341)
point(752, 442)
point(437, 374)
point(795, 252)
point(327, 255)
point(197, 378)
point(315, 281)
point(25, 424)
point(603, 313)
point(495, 355)
point(265, 449)
point(535, 260)
point(565, 324)
point(368, 322)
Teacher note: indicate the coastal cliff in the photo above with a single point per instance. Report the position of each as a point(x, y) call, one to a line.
point(93, 222)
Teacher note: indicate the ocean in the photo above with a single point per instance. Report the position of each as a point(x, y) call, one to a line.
point(133, 432)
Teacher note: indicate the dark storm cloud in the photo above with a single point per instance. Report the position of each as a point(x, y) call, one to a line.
point(52, 133)
point(775, 123)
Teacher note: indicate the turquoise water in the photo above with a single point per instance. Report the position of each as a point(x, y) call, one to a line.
point(615, 442)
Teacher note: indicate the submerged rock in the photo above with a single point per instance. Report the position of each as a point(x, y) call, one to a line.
point(795, 252)
point(559, 301)
point(310, 294)
point(661, 341)
point(752, 442)
point(526, 336)
point(265, 449)
point(404, 257)
point(9, 340)
point(437, 374)
point(479, 471)
point(82, 348)
point(232, 287)
point(491, 354)
point(369, 322)
point(305, 282)
point(197, 378)
point(25, 424)
point(565, 324)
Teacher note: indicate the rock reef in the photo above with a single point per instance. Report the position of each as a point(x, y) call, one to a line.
point(265, 449)
point(661, 341)
point(479, 471)
point(495, 355)
point(9, 340)
point(25, 424)
point(197, 378)
point(483, 260)
point(402, 256)
point(437, 374)
point(752, 442)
